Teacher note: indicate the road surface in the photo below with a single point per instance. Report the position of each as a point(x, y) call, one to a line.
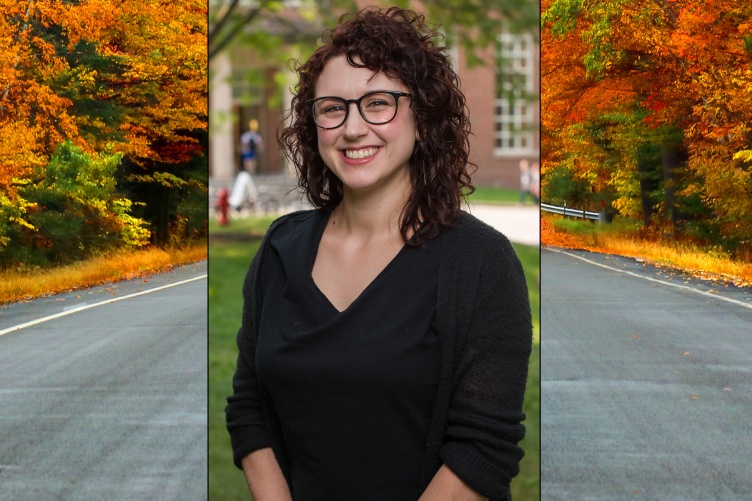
point(109, 401)
point(646, 387)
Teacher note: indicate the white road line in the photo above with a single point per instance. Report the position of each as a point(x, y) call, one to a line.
point(87, 306)
point(690, 289)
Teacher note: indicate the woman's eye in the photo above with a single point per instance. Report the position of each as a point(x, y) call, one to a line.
point(335, 108)
point(377, 104)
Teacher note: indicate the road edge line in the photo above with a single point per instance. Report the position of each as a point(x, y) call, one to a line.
point(714, 296)
point(94, 305)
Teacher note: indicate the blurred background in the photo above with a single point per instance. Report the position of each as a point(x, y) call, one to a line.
point(494, 48)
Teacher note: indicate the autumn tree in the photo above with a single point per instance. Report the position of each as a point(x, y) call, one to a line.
point(125, 78)
point(650, 101)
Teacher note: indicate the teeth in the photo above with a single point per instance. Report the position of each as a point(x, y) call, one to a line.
point(361, 153)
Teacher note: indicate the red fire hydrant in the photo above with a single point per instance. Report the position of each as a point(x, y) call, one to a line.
point(221, 205)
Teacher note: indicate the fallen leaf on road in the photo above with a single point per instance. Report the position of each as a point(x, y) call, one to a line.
point(78, 296)
point(60, 300)
point(693, 397)
point(727, 389)
point(635, 336)
point(687, 353)
point(713, 291)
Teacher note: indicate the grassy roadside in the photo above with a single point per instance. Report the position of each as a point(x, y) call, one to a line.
point(122, 265)
point(228, 261)
point(622, 238)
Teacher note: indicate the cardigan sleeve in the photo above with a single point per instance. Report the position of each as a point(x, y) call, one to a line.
point(245, 417)
point(244, 413)
point(484, 421)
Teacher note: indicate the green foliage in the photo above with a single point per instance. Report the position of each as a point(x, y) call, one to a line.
point(72, 211)
point(562, 188)
point(133, 232)
point(561, 17)
point(265, 27)
point(172, 196)
point(86, 82)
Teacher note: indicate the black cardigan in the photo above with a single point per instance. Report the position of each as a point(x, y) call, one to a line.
point(485, 335)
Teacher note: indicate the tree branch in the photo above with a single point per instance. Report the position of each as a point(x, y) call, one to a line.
point(239, 25)
point(223, 21)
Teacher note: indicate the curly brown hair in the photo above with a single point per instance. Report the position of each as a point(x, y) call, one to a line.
point(398, 43)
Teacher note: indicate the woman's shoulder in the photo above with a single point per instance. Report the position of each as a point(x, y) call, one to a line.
point(473, 245)
point(468, 230)
point(283, 235)
point(293, 222)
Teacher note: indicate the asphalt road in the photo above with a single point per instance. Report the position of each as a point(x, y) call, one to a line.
point(646, 387)
point(108, 401)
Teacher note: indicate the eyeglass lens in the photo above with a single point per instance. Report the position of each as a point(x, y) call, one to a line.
point(376, 108)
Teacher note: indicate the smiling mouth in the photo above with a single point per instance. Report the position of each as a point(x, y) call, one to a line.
point(364, 153)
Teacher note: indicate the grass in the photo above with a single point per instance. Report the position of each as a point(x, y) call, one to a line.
point(25, 284)
point(526, 485)
point(241, 227)
point(228, 262)
point(623, 238)
point(491, 195)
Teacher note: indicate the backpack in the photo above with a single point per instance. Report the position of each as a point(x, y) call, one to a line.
point(248, 141)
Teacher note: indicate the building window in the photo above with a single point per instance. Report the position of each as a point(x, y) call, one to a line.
point(515, 120)
point(246, 85)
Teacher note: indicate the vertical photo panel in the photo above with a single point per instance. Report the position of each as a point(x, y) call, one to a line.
point(374, 301)
point(103, 250)
point(646, 260)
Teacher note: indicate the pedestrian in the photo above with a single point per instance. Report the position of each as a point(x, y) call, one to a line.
point(535, 182)
point(251, 144)
point(525, 180)
point(385, 334)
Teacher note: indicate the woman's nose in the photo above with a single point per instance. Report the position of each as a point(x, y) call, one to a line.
point(355, 126)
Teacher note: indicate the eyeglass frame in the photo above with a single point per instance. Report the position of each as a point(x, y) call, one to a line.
point(394, 93)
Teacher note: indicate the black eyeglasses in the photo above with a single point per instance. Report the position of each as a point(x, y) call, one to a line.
point(377, 108)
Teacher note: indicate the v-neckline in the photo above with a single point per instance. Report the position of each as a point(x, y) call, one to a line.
point(314, 253)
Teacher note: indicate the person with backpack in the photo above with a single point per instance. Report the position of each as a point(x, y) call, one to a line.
point(251, 145)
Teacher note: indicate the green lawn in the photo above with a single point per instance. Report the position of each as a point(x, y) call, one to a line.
point(228, 262)
point(490, 195)
point(248, 226)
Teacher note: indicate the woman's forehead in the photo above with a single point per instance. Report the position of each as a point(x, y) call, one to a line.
point(340, 78)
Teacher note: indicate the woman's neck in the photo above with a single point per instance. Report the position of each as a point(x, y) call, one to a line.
point(369, 215)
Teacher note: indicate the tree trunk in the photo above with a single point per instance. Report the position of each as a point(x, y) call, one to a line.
point(162, 217)
point(646, 168)
point(671, 159)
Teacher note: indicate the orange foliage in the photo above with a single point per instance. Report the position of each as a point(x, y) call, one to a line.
point(677, 64)
point(552, 238)
point(161, 90)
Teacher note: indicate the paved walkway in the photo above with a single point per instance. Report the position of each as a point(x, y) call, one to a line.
point(520, 224)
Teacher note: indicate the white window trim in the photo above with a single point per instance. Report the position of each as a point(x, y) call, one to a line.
point(524, 117)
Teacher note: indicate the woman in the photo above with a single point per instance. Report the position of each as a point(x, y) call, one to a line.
point(386, 334)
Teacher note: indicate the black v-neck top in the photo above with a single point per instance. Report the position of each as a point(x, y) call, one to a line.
point(353, 391)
